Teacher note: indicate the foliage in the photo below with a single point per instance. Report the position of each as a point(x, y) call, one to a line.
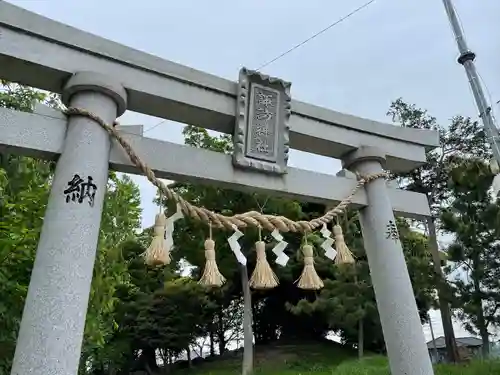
point(141, 318)
point(177, 331)
point(348, 298)
point(24, 190)
point(456, 184)
point(462, 138)
point(134, 296)
point(287, 312)
point(473, 219)
point(379, 366)
point(157, 312)
point(18, 97)
point(120, 221)
point(326, 359)
point(191, 235)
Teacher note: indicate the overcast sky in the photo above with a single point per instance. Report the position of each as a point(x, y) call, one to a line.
point(391, 49)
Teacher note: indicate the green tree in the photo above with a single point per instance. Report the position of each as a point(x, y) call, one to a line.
point(120, 222)
point(286, 311)
point(177, 331)
point(191, 234)
point(157, 312)
point(463, 137)
point(473, 219)
point(123, 352)
point(347, 302)
point(24, 190)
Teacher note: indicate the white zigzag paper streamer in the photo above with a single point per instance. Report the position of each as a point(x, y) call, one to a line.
point(235, 246)
point(169, 227)
point(278, 250)
point(330, 252)
point(495, 186)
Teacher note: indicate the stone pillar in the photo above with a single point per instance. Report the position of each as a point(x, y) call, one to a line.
point(50, 336)
point(403, 333)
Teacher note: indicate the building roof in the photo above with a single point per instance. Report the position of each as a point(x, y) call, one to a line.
point(461, 341)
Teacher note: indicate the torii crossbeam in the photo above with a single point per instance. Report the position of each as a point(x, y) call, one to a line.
point(107, 78)
point(42, 134)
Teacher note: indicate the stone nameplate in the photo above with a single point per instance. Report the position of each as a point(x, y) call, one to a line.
point(261, 134)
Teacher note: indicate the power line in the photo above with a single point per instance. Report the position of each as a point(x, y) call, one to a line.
point(317, 34)
point(154, 126)
point(283, 54)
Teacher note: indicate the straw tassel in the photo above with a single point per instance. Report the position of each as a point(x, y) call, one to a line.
point(211, 274)
point(157, 254)
point(344, 255)
point(263, 276)
point(309, 279)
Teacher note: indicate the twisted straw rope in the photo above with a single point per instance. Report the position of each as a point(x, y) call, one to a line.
point(251, 218)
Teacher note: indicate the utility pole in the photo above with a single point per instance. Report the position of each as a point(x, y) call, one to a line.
point(433, 338)
point(444, 305)
point(466, 59)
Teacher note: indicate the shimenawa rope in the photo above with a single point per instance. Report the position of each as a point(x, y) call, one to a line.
point(263, 276)
point(252, 218)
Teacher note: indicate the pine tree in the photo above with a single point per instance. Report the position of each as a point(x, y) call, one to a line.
point(463, 137)
point(473, 219)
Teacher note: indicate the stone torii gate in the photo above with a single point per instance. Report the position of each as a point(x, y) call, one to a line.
point(107, 78)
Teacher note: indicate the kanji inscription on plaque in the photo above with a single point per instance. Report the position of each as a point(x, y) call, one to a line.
point(262, 132)
point(262, 128)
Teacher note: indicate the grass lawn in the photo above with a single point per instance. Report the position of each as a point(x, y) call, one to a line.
point(380, 366)
point(322, 359)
